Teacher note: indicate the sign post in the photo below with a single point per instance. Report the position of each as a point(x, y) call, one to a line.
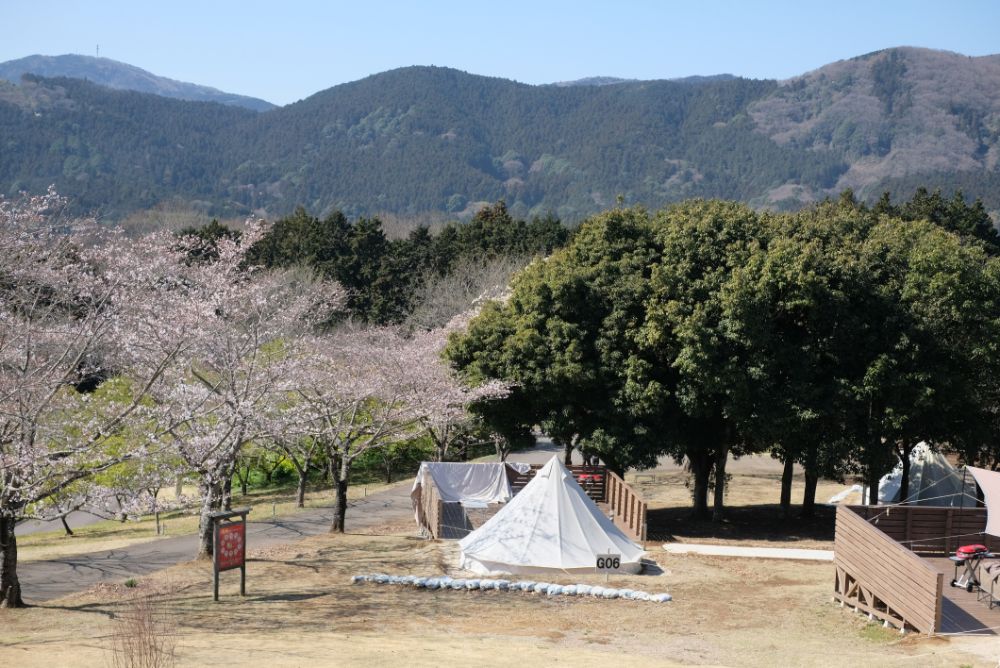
point(229, 546)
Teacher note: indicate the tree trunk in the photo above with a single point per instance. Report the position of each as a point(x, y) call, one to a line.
point(227, 492)
point(718, 507)
point(340, 505)
point(809, 495)
point(10, 586)
point(300, 497)
point(500, 445)
point(179, 487)
point(874, 470)
point(904, 481)
point(568, 453)
point(787, 474)
point(701, 468)
point(210, 499)
point(69, 532)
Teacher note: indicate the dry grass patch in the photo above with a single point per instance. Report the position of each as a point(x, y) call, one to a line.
point(302, 609)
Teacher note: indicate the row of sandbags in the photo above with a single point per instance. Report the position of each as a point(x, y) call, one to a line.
point(549, 589)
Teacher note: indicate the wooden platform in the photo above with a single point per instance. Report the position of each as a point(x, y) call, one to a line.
point(960, 611)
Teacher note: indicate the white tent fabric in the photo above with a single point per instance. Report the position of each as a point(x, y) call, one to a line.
point(464, 481)
point(989, 481)
point(550, 526)
point(479, 483)
point(933, 481)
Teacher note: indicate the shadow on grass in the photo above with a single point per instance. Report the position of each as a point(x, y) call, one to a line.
point(284, 598)
point(761, 522)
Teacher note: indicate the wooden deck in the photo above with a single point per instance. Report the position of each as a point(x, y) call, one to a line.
point(960, 611)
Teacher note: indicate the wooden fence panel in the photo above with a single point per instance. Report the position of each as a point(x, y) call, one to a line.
point(930, 531)
point(879, 576)
point(627, 507)
point(430, 509)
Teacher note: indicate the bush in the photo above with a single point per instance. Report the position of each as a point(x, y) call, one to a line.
point(143, 635)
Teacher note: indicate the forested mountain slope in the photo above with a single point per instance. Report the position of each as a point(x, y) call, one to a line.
point(439, 142)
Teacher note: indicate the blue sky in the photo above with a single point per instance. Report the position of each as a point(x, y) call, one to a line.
point(284, 51)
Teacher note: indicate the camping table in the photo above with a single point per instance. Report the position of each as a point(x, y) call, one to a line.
point(970, 575)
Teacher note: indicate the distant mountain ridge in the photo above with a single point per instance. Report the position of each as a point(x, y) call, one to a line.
point(121, 76)
point(437, 143)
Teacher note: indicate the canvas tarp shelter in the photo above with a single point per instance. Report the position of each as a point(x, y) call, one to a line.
point(461, 482)
point(550, 526)
point(933, 482)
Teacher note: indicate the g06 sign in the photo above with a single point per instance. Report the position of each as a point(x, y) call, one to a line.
point(608, 562)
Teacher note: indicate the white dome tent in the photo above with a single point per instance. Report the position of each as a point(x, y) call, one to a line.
point(551, 526)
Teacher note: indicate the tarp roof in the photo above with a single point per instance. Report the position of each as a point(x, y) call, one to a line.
point(989, 482)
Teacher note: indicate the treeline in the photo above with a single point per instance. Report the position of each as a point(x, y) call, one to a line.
point(838, 338)
point(383, 277)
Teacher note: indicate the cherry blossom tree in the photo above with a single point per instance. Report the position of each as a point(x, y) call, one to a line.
point(351, 399)
point(242, 323)
point(73, 301)
point(443, 400)
point(362, 389)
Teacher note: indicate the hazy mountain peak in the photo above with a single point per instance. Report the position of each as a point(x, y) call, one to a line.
point(122, 76)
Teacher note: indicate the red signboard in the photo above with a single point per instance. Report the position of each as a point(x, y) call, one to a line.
point(230, 546)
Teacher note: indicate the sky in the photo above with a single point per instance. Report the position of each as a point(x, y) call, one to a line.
point(285, 51)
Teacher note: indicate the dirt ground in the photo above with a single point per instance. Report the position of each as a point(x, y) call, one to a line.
point(753, 514)
point(302, 609)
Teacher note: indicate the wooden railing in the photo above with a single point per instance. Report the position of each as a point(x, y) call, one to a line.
point(593, 479)
point(877, 575)
point(931, 531)
point(627, 507)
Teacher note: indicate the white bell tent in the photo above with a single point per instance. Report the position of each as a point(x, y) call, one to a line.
point(551, 526)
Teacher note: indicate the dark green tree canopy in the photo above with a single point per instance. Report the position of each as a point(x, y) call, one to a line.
point(837, 337)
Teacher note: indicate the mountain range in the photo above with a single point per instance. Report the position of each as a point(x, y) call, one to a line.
point(435, 143)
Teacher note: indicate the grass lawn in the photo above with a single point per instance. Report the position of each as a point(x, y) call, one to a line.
point(302, 609)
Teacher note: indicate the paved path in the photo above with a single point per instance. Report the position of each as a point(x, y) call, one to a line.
point(753, 552)
point(76, 519)
point(46, 580)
